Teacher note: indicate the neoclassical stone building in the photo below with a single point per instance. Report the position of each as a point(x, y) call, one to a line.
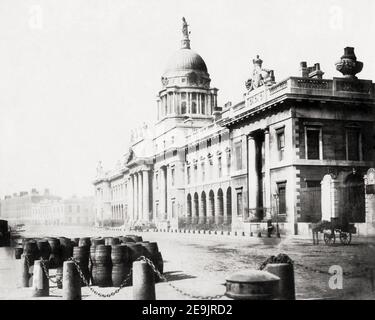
point(236, 166)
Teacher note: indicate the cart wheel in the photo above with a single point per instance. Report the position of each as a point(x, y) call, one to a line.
point(345, 237)
point(329, 238)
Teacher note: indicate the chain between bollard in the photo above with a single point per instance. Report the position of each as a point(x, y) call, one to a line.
point(44, 268)
point(186, 294)
point(96, 292)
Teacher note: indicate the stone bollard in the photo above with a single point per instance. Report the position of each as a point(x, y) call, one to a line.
point(40, 281)
point(143, 281)
point(71, 282)
point(285, 272)
point(25, 275)
point(252, 285)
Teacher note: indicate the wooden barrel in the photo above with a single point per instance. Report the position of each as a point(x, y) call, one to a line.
point(44, 249)
point(81, 255)
point(31, 251)
point(127, 239)
point(111, 241)
point(66, 248)
point(55, 259)
point(97, 241)
point(75, 242)
point(85, 241)
point(102, 268)
point(135, 238)
point(135, 251)
point(120, 254)
point(18, 252)
point(150, 250)
point(120, 264)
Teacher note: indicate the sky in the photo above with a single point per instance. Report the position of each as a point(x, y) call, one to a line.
point(77, 75)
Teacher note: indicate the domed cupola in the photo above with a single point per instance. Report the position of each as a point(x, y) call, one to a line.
point(186, 84)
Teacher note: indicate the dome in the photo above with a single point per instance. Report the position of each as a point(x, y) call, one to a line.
point(186, 59)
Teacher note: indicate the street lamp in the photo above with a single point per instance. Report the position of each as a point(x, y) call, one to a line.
point(276, 197)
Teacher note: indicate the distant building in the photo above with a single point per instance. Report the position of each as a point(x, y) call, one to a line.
point(72, 211)
point(18, 207)
point(294, 151)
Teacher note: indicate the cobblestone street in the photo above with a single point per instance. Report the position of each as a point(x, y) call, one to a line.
point(198, 264)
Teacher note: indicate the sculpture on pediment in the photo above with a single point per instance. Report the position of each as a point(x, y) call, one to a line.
point(260, 76)
point(99, 169)
point(129, 156)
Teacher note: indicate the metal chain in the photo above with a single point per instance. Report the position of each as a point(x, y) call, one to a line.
point(46, 272)
point(103, 295)
point(164, 279)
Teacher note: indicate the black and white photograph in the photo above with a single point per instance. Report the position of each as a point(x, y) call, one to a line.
point(203, 151)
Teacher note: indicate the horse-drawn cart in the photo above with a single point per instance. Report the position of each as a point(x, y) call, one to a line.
point(336, 227)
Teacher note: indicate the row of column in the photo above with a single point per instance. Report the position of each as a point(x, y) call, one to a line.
point(138, 196)
point(168, 104)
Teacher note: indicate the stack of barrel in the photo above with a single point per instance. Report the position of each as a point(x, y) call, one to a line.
point(105, 261)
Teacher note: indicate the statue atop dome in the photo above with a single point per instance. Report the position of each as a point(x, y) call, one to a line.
point(185, 43)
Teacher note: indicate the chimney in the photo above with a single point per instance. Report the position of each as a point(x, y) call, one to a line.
point(303, 69)
point(315, 72)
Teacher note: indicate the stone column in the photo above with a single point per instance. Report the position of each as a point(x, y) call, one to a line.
point(140, 196)
point(163, 207)
point(135, 202)
point(252, 176)
point(130, 197)
point(267, 175)
point(146, 196)
point(370, 201)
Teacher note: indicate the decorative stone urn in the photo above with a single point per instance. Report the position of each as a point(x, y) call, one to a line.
point(348, 64)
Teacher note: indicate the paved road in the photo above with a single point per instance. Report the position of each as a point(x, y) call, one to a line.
point(198, 264)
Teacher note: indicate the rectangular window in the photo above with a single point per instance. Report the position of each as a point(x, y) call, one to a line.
point(183, 103)
point(173, 209)
point(156, 181)
point(238, 151)
point(193, 103)
point(172, 176)
point(203, 172)
point(188, 175)
point(239, 204)
point(281, 189)
point(313, 138)
point(353, 144)
point(219, 164)
point(78, 209)
point(280, 143)
point(157, 209)
point(203, 103)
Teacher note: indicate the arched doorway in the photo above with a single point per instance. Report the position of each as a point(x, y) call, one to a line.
point(188, 207)
point(211, 206)
point(354, 198)
point(220, 207)
point(229, 206)
point(196, 208)
point(203, 210)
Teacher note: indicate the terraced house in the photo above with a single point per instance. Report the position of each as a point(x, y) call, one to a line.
point(294, 151)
